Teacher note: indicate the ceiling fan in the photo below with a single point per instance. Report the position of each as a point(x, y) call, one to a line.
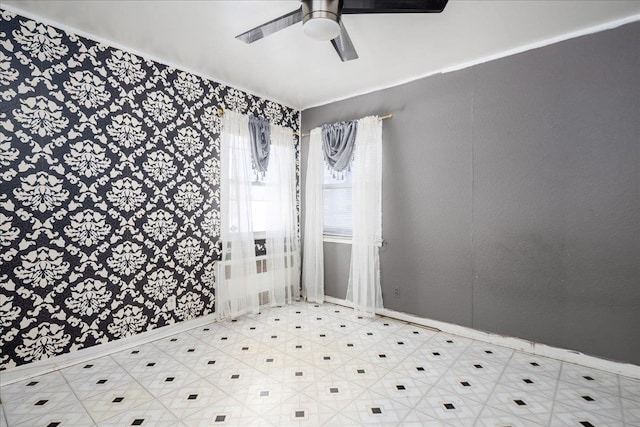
point(321, 19)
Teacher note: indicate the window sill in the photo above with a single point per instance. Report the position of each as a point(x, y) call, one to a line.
point(346, 240)
point(336, 239)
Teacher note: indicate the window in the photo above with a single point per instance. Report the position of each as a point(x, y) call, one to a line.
point(267, 189)
point(259, 203)
point(337, 203)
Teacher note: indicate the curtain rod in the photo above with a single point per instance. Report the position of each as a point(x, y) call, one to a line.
point(385, 117)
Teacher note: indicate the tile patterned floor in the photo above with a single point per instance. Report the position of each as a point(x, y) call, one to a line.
point(309, 365)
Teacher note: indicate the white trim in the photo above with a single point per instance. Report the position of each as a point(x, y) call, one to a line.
point(143, 54)
point(535, 45)
point(46, 366)
point(330, 238)
point(571, 356)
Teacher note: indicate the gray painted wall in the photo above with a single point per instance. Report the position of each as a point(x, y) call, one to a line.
point(511, 195)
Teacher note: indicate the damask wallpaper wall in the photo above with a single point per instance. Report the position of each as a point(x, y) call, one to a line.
point(109, 190)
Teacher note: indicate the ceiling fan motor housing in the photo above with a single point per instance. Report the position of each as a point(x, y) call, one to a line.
point(321, 18)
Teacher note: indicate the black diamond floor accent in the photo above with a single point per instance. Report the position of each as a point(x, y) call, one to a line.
point(333, 390)
point(400, 343)
point(173, 339)
point(435, 353)
point(449, 406)
point(118, 399)
point(245, 348)
point(277, 320)
point(137, 422)
point(299, 414)
point(135, 352)
point(520, 402)
point(385, 324)
point(369, 333)
point(191, 350)
point(360, 371)
point(224, 338)
point(299, 374)
point(528, 381)
point(416, 332)
point(88, 366)
point(318, 318)
point(488, 351)
point(349, 345)
point(534, 364)
point(41, 402)
point(382, 356)
point(376, 410)
point(253, 328)
point(401, 387)
point(298, 346)
point(101, 381)
point(53, 424)
point(32, 383)
point(588, 398)
point(419, 368)
point(343, 326)
point(273, 337)
point(298, 327)
point(322, 335)
point(269, 360)
point(588, 378)
point(477, 366)
point(327, 357)
point(450, 341)
point(205, 329)
point(264, 393)
point(220, 418)
point(192, 397)
point(151, 364)
point(169, 379)
point(235, 376)
point(211, 362)
point(587, 424)
point(465, 384)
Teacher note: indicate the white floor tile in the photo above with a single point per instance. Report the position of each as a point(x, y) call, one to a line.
point(151, 414)
point(321, 365)
point(116, 401)
point(28, 407)
point(191, 398)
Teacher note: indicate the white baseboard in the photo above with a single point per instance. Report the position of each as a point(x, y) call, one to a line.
point(46, 366)
point(571, 356)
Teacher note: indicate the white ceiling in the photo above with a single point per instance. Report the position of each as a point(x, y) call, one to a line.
point(299, 72)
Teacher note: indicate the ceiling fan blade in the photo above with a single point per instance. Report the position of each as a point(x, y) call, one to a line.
point(271, 27)
point(344, 46)
point(393, 6)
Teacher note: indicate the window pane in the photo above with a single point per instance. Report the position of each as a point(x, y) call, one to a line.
point(331, 177)
point(337, 211)
point(337, 202)
point(259, 197)
point(258, 212)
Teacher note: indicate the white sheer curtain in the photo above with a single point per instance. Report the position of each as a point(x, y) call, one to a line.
point(313, 261)
point(283, 255)
point(364, 280)
point(237, 280)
